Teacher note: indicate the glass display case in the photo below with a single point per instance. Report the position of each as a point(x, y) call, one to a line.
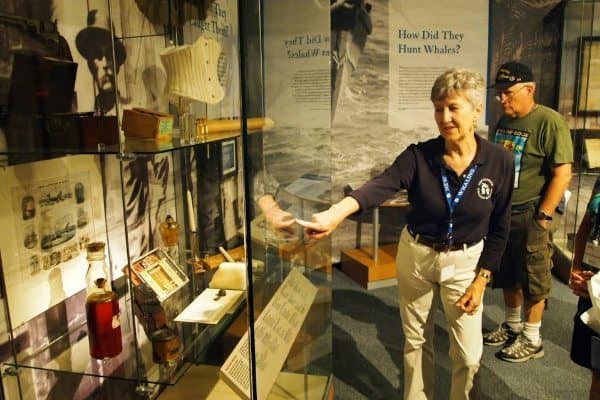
point(578, 102)
point(169, 145)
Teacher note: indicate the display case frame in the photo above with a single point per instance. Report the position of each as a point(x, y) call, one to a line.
point(142, 181)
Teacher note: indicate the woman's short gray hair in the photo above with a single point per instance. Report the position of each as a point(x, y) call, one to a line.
point(467, 81)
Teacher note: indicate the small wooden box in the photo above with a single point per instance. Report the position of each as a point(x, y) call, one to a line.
point(99, 130)
point(147, 124)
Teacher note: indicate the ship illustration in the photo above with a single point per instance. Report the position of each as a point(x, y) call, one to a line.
point(350, 26)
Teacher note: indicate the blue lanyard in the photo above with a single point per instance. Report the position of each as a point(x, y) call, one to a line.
point(452, 203)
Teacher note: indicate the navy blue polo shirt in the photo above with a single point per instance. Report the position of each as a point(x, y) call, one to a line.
point(483, 212)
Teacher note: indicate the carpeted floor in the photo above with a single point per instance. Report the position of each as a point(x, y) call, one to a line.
point(367, 346)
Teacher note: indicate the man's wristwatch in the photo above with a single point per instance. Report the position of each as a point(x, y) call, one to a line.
point(541, 215)
point(485, 275)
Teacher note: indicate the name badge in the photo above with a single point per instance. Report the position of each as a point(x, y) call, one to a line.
point(591, 256)
point(445, 267)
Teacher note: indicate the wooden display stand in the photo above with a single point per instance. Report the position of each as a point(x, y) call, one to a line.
point(373, 267)
point(360, 265)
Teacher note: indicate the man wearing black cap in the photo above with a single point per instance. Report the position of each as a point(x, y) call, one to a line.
point(540, 141)
point(95, 43)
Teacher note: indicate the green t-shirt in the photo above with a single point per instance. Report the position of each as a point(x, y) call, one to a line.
point(538, 141)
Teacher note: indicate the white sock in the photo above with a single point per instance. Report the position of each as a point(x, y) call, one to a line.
point(512, 315)
point(532, 332)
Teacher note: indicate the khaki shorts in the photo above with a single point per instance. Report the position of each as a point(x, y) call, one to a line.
point(527, 260)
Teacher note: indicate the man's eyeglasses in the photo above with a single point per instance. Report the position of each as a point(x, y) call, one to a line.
point(507, 94)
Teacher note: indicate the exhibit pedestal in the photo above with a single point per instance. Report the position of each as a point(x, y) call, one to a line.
point(368, 271)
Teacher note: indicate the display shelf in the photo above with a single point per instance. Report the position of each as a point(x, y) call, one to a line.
point(64, 356)
point(198, 352)
point(129, 146)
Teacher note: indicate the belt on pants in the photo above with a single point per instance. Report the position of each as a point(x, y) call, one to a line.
point(440, 245)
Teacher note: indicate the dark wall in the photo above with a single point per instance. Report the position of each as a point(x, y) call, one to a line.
point(528, 32)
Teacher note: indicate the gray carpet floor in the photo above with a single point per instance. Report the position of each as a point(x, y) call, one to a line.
point(367, 347)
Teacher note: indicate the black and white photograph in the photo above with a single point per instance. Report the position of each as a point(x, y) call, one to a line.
point(228, 157)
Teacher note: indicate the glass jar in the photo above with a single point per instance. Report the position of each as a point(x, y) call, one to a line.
point(166, 346)
point(187, 125)
point(101, 307)
point(169, 231)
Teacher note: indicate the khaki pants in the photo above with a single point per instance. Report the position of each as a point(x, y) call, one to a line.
point(417, 284)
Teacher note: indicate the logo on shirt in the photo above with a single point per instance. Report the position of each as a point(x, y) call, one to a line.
point(485, 188)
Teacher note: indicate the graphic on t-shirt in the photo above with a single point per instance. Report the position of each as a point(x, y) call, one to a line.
point(514, 141)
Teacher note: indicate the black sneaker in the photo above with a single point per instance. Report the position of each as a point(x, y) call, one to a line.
point(501, 335)
point(521, 350)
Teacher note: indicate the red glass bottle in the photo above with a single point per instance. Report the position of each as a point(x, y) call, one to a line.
point(102, 306)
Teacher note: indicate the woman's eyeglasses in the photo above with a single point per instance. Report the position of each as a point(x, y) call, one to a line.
point(507, 94)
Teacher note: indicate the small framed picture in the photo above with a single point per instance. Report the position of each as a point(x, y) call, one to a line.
point(228, 159)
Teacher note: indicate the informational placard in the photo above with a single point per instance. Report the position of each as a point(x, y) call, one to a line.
point(275, 330)
point(297, 63)
point(426, 39)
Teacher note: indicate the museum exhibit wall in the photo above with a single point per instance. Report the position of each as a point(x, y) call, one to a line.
point(368, 134)
point(402, 44)
point(366, 138)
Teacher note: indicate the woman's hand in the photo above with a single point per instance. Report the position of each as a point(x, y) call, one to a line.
point(471, 300)
point(325, 222)
point(578, 282)
point(321, 224)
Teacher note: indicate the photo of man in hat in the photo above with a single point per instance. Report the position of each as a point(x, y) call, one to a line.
point(95, 44)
